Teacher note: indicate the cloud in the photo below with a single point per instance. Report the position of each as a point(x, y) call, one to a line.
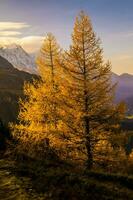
point(12, 25)
point(9, 33)
point(30, 43)
point(8, 40)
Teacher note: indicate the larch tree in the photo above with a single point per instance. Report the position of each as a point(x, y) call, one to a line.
point(39, 117)
point(90, 92)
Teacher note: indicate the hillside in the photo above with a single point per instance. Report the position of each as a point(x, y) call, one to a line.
point(11, 88)
point(61, 184)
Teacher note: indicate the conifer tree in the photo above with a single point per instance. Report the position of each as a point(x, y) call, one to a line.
point(71, 106)
point(90, 93)
point(39, 120)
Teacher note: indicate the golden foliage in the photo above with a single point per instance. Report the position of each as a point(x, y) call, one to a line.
point(40, 113)
point(72, 102)
point(90, 90)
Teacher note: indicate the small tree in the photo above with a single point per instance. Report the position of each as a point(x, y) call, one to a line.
point(39, 117)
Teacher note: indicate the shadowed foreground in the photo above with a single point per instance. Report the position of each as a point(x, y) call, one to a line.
point(13, 187)
point(25, 183)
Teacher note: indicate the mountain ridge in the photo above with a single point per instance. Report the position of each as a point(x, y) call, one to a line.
point(124, 89)
point(18, 57)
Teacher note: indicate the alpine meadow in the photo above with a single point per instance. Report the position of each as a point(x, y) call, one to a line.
point(66, 131)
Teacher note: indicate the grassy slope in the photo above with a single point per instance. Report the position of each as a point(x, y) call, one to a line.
point(13, 187)
point(60, 183)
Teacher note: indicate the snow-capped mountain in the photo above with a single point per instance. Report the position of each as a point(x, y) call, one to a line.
point(18, 57)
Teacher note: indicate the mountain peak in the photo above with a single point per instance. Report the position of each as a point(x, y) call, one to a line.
point(12, 46)
point(18, 57)
point(126, 75)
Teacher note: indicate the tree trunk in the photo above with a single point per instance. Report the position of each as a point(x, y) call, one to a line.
point(88, 145)
point(87, 124)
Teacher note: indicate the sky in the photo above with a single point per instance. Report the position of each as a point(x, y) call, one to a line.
point(26, 22)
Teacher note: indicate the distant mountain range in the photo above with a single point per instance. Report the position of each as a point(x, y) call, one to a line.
point(124, 89)
point(17, 66)
point(19, 58)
